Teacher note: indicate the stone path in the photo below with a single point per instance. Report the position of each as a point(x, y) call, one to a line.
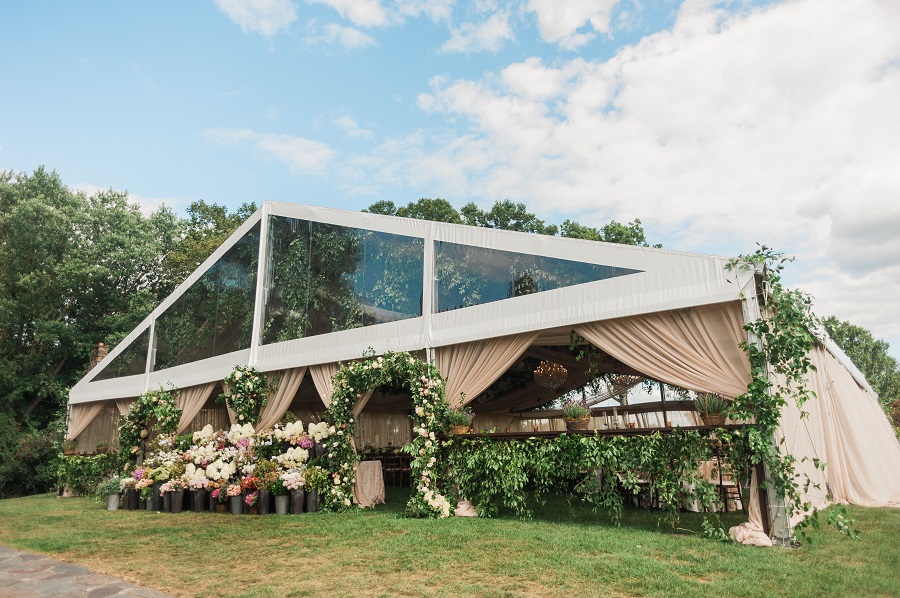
point(29, 575)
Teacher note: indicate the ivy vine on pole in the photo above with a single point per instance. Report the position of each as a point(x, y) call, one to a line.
point(782, 340)
point(429, 416)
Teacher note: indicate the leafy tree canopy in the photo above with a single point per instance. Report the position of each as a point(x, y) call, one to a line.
point(508, 215)
point(870, 355)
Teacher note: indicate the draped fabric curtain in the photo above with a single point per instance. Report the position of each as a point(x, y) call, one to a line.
point(280, 400)
point(231, 416)
point(191, 400)
point(322, 375)
point(124, 405)
point(695, 348)
point(82, 415)
point(361, 403)
point(470, 368)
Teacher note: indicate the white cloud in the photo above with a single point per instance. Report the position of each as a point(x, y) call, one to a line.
point(352, 128)
point(348, 37)
point(775, 124)
point(298, 153)
point(559, 21)
point(436, 10)
point(363, 13)
point(147, 205)
point(477, 37)
point(265, 17)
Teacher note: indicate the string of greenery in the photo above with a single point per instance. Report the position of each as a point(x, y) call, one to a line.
point(429, 416)
point(781, 342)
point(153, 411)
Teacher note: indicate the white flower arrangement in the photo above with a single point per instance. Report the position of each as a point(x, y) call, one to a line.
point(204, 436)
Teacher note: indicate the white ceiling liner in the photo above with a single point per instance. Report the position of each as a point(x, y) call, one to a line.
point(669, 280)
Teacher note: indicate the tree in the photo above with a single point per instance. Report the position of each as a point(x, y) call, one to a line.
point(77, 270)
point(870, 355)
point(613, 232)
point(507, 215)
point(437, 210)
point(207, 226)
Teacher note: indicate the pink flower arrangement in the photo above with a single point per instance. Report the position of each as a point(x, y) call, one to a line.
point(251, 498)
point(139, 473)
point(234, 490)
point(306, 442)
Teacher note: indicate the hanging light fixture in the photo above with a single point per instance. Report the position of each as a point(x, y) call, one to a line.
point(550, 374)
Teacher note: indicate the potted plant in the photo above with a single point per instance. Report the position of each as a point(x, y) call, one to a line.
point(101, 447)
point(281, 494)
point(251, 499)
point(294, 481)
point(460, 420)
point(315, 479)
point(576, 414)
point(234, 495)
point(109, 489)
point(68, 446)
point(710, 406)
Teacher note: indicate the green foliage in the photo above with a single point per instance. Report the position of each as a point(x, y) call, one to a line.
point(247, 391)
point(779, 350)
point(507, 215)
point(154, 412)
point(110, 485)
point(429, 418)
point(594, 469)
point(82, 475)
point(208, 225)
point(460, 416)
point(870, 355)
point(612, 232)
point(710, 403)
point(77, 270)
point(28, 457)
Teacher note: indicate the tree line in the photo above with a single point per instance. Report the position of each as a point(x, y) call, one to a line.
point(79, 269)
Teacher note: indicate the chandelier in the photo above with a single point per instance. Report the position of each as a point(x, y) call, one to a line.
point(550, 374)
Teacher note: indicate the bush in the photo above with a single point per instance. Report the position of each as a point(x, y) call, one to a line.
point(28, 458)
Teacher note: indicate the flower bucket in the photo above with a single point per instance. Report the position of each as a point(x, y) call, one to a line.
point(167, 502)
point(220, 507)
point(312, 500)
point(112, 502)
point(199, 501)
point(177, 500)
point(281, 504)
point(578, 424)
point(298, 497)
point(263, 502)
point(155, 503)
point(237, 505)
point(456, 430)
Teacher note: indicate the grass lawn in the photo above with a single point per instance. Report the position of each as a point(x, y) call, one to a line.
point(562, 552)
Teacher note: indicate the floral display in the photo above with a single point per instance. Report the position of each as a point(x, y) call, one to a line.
point(156, 408)
point(430, 416)
point(247, 391)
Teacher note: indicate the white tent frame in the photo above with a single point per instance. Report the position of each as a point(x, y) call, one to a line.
point(668, 280)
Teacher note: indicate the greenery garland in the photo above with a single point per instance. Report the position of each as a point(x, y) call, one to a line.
point(779, 362)
point(429, 415)
point(492, 472)
point(153, 411)
point(247, 392)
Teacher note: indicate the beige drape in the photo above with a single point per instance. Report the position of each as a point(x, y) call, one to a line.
point(82, 415)
point(361, 403)
point(124, 405)
point(322, 375)
point(279, 402)
point(695, 348)
point(191, 400)
point(470, 368)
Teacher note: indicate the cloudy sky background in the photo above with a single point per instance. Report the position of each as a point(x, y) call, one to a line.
point(719, 124)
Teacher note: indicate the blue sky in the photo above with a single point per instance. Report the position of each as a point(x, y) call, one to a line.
point(718, 124)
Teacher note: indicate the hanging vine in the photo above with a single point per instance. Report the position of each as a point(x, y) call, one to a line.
point(779, 353)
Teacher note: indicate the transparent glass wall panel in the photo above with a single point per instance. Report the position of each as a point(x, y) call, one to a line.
point(325, 278)
point(215, 315)
point(130, 362)
point(469, 275)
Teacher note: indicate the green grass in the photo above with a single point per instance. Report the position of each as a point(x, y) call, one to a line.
point(562, 552)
